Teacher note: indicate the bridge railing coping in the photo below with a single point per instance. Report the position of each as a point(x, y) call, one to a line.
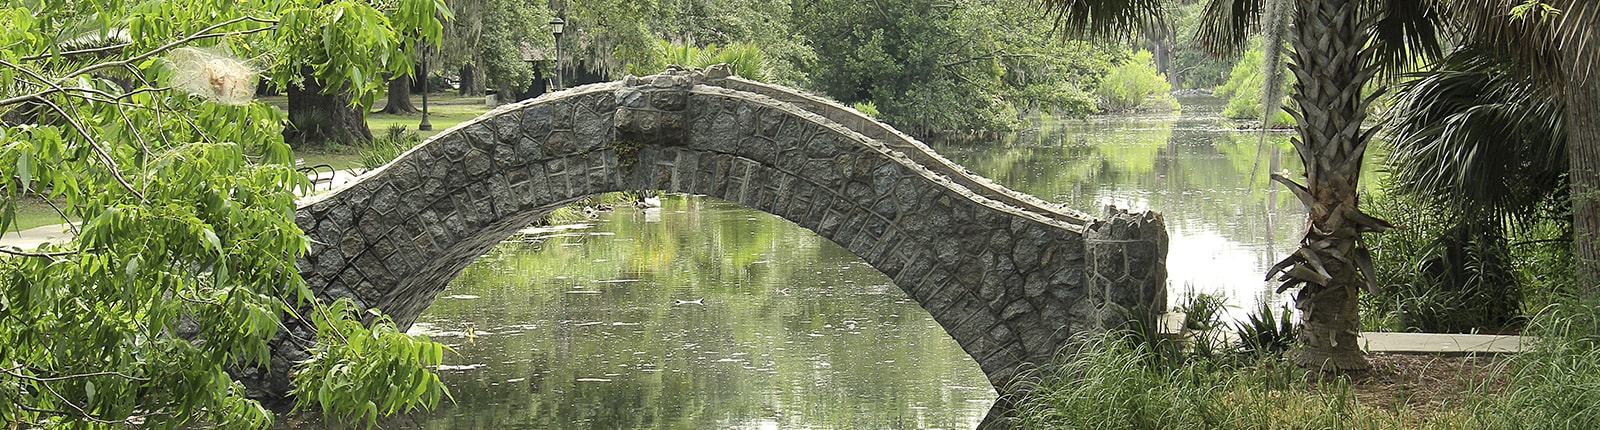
point(919, 151)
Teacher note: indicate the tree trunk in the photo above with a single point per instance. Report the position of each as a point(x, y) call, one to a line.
point(1163, 40)
point(399, 97)
point(318, 119)
point(471, 82)
point(1583, 150)
point(1330, 69)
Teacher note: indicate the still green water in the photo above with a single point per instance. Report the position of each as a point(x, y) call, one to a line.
point(704, 314)
point(700, 314)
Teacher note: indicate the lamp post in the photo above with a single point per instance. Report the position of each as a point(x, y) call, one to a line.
point(425, 125)
point(556, 26)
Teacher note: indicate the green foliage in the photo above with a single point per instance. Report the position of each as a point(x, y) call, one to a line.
point(394, 141)
point(1112, 382)
point(491, 35)
point(1202, 311)
point(1264, 334)
point(1476, 167)
point(610, 37)
point(1135, 84)
point(1557, 384)
point(941, 66)
point(868, 108)
point(373, 366)
point(184, 264)
point(1195, 67)
point(1243, 91)
point(1442, 275)
point(1115, 381)
point(746, 59)
point(1477, 139)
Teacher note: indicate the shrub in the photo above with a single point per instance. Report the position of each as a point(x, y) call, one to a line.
point(1442, 274)
point(868, 108)
point(1135, 84)
point(1243, 91)
point(1265, 334)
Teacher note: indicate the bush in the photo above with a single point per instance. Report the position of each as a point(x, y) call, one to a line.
point(1557, 384)
point(1113, 382)
point(746, 59)
point(1243, 91)
point(1265, 334)
point(868, 108)
point(1135, 84)
point(1442, 274)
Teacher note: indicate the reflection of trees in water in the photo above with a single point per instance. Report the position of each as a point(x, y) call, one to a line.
point(1191, 169)
point(778, 303)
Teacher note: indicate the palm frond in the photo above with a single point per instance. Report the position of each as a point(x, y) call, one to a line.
point(1575, 35)
point(1535, 39)
point(1096, 19)
point(1478, 137)
point(1406, 35)
point(1226, 25)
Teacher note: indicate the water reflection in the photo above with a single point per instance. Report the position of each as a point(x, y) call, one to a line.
point(700, 314)
point(1209, 179)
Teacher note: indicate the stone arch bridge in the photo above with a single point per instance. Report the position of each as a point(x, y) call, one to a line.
point(1008, 276)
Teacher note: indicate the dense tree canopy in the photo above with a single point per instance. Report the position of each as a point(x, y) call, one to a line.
point(486, 41)
point(136, 118)
point(936, 66)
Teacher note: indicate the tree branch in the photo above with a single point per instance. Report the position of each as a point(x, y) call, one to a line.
point(12, 372)
point(78, 52)
point(202, 34)
point(10, 250)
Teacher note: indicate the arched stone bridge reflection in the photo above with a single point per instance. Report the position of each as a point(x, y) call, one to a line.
point(1008, 276)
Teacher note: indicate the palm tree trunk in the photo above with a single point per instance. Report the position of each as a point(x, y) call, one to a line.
point(1583, 148)
point(1328, 38)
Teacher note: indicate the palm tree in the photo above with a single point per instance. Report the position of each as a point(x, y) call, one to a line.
point(1339, 46)
point(1555, 43)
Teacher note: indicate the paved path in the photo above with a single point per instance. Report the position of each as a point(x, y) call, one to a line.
point(1409, 343)
point(31, 238)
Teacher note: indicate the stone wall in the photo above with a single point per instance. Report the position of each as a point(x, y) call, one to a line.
point(1010, 284)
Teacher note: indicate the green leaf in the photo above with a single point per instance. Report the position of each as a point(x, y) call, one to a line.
point(25, 169)
point(132, 268)
point(212, 240)
point(88, 388)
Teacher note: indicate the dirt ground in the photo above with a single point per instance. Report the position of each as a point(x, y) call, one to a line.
point(1426, 383)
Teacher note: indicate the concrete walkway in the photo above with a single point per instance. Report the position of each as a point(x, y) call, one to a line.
point(31, 238)
point(1405, 343)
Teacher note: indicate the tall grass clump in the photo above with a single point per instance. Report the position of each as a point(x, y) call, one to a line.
point(1115, 381)
point(1556, 385)
point(383, 149)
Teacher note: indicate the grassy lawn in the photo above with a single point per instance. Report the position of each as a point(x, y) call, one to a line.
point(444, 111)
point(33, 212)
point(442, 114)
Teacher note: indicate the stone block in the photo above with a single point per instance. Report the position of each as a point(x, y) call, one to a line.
point(536, 121)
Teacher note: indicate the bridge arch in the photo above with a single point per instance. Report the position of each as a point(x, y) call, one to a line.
point(1008, 276)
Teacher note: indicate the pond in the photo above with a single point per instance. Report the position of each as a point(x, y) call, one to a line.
point(703, 314)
